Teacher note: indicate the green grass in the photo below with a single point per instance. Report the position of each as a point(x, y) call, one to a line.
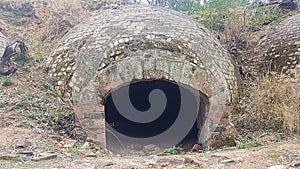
point(39, 56)
point(265, 15)
point(6, 81)
point(32, 164)
point(73, 151)
point(22, 123)
point(247, 144)
point(215, 14)
point(218, 5)
point(23, 88)
point(77, 149)
point(262, 51)
point(224, 5)
point(175, 150)
point(33, 115)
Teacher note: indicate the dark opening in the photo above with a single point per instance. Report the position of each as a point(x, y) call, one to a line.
point(137, 134)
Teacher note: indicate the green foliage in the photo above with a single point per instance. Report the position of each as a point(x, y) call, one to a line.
point(226, 18)
point(214, 21)
point(182, 5)
point(6, 81)
point(216, 15)
point(280, 137)
point(227, 148)
point(262, 51)
point(22, 123)
point(195, 8)
point(54, 119)
point(26, 67)
point(33, 115)
point(247, 93)
point(206, 150)
point(75, 150)
point(23, 89)
point(224, 5)
point(52, 113)
point(56, 112)
point(217, 6)
point(38, 57)
point(248, 143)
point(297, 139)
point(173, 151)
point(18, 159)
point(264, 15)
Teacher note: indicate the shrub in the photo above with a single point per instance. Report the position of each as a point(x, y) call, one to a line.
point(214, 22)
point(264, 15)
point(231, 20)
point(223, 5)
point(6, 81)
point(274, 104)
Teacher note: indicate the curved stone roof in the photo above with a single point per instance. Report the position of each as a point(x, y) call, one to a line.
point(282, 47)
point(139, 43)
point(121, 34)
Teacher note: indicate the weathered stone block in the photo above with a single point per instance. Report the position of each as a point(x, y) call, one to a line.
point(175, 70)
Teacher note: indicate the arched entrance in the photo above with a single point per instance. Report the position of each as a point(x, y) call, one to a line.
point(123, 134)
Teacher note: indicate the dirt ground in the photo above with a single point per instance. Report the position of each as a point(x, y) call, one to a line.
point(255, 157)
point(20, 134)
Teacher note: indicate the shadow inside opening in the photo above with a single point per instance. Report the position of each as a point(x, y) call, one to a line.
point(138, 94)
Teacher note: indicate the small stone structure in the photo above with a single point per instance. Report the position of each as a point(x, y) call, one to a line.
point(140, 44)
point(4, 69)
point(282, 48)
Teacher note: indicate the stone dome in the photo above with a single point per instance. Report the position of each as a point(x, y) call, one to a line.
point(282, 48)
point(139, 44)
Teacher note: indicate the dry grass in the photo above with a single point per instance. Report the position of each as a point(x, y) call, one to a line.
point(237, 26)
point(49, 20)
point(60, 16)
point(272, 104)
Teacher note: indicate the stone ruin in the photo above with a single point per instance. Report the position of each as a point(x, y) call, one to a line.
point(282, 49)
point(3, 43)
point(142, 48)
point(17, 50)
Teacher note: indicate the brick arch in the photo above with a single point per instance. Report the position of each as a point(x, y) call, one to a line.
point(142, 43)
point(134, 69)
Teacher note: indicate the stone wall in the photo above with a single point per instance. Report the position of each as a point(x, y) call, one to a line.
point(140, 43)
point(282, 48)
